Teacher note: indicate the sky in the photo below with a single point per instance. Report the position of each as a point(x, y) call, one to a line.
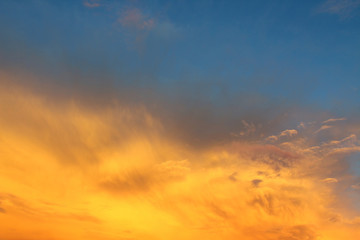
point(179, 120)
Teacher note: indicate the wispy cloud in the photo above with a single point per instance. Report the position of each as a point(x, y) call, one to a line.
point(139, 26)
point(322, 128)
point(342, 8)
point(331, 120)
point(330, 180)
point(249, 129)
point(285, 133)
point(134, 18)
point(91, 3)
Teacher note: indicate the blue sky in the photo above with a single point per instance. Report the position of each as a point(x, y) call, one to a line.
point(306, 51)
point(213, 59)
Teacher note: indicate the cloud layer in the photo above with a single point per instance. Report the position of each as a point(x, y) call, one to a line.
point(144, 120)
point(115, 173)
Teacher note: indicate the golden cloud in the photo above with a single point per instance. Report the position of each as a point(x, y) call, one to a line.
point(73, 172)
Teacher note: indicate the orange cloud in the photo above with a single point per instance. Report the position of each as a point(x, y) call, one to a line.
point(322, 128)
point(285, 133)
point(69, 171)
point(331, 120)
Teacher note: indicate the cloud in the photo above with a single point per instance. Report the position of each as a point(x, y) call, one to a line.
point(130, 183)
point(296, 232)
point(256, 182)
point(349, 141)
point(153, 184)
point(289, 133)
point(97, 155)
point(95, 168)
point(2, 210)
point(346, 150)
point(272, 138)
point(283, 134)
point(301, 125)
point(145, 180)
point(91, 3)
point(322, 128)
point(330, 180)
point(142, 28)
point(133, 18)
point(342, 8)
point(249, 129)
point(232, 177)
point(331, 120)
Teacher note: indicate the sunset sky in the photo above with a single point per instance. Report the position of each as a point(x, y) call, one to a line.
point(179, 119)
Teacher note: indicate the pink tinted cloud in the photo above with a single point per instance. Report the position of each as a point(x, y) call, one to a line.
point(91, 3)
point(135, 19)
